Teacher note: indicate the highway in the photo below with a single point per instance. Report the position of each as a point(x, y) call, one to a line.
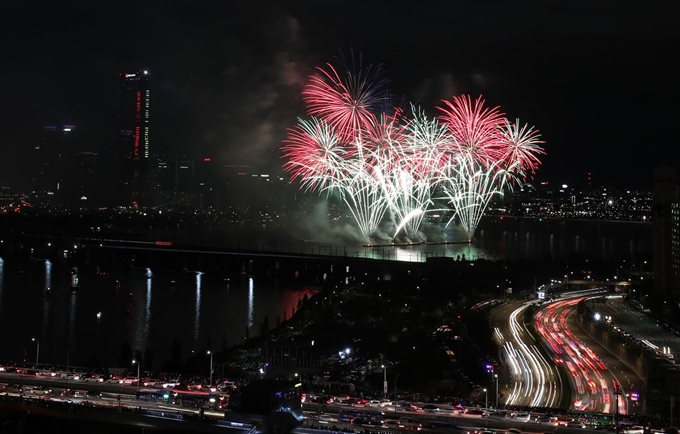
point(639, 326)
point(593, 383)
point(532, 380)
point(441, 419)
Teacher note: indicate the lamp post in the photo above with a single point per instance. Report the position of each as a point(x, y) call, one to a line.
point(486, 408)
point(384, 381)
point(211, 366)
point(37, 351)
point(138, 366)
point(496, 377)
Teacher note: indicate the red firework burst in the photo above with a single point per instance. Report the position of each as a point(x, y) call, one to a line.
point(314, 154)
point(475, 128)
point(346, 100)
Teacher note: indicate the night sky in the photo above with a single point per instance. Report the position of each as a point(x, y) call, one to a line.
point(598, 78)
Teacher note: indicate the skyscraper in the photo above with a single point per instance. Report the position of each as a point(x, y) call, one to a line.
point(133, 135)
point(666, 221)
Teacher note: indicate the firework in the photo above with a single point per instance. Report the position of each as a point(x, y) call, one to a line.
point(377, 159)
point(474, 127)
point(520, 147)
point(347, 99)
point(314, 154)
point(469, 186)
point(413, 175)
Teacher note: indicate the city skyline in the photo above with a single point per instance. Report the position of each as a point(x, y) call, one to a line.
point(595, 80)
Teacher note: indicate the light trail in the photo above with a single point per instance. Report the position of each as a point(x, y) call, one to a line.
point(533, 378)
point(593, 384)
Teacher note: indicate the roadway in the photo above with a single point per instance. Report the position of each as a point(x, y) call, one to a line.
point(159, 415)
point(639, 326)
point(531, 380)
point(593, 383)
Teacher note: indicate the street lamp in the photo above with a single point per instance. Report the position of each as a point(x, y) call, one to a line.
point(384, 380)
point(496, 376)
point(37, 351)
point(486, 408)
point(211, 366)
point(138, 366)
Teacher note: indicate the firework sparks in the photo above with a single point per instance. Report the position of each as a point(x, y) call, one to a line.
point(349, 100)
point(521, 145)
point(378, 161)
point(474, 127)
point(469, 186)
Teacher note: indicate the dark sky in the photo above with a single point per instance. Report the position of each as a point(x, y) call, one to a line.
point(599, 78)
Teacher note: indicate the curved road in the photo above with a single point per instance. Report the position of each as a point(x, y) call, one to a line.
point(532, 380)
point(592, 381)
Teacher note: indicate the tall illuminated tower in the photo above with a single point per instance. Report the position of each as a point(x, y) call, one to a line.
point(133, 135)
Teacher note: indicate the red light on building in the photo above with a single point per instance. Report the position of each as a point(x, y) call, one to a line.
point(206, 159)
point(136, 149)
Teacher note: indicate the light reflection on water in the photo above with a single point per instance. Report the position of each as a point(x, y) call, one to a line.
point(197, 311)
point(46, 295)
point(149, 310)
point(251, 302)
point(527, 240)
point(145, 310)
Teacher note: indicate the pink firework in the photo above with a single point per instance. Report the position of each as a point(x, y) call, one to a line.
point(346, 100)
point(314, 154)
point(520, 146)
point(383, 141)
point(474, 127)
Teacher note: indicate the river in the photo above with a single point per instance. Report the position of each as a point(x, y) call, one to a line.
point(150, 309)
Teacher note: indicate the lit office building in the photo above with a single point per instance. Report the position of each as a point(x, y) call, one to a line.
point(133, 135)
point(665, 220)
